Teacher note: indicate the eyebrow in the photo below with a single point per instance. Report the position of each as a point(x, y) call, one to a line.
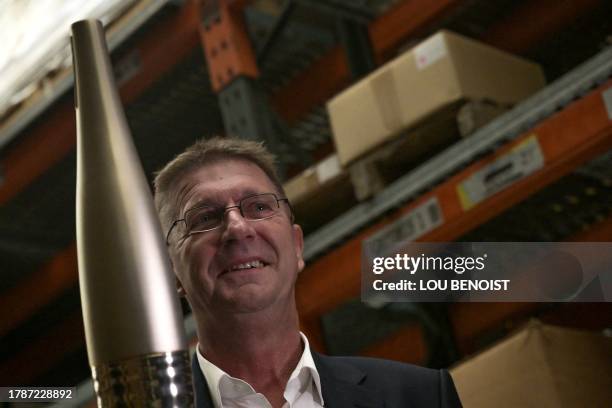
point(201, 204)
point(249, 192)
point(212, 202)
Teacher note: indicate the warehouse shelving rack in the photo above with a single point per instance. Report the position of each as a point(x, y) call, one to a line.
point(568, 123)
point(532, 112)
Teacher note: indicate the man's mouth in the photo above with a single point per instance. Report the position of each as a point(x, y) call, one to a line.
point(245, 265)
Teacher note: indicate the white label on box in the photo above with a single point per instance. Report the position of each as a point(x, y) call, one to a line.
point(416, 223)
point(521, 161)
point(429, 51)
point(328, 168)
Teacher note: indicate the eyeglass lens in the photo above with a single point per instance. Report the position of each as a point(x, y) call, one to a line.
point(252, 208)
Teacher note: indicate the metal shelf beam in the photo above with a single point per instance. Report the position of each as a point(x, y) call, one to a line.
point(505, 128)
point(330, 73)
point(566, 139)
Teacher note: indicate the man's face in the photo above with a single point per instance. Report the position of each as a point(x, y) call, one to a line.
point(209, 264)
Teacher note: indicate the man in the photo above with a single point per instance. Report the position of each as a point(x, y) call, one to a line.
point(236, 253)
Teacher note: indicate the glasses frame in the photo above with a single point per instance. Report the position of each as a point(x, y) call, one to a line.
point(224, 211)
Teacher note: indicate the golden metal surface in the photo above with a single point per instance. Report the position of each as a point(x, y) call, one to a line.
point(156, 380)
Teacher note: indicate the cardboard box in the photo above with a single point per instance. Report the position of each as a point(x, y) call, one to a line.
point(320, 193)
point(310, 180)
point(539, 366)
point(442, 70)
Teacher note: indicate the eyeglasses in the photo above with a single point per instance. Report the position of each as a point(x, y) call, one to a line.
point(204, 218)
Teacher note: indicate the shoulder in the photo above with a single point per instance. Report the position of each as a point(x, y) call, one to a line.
point(379, 364)
point(400, 382)
point(391, 370)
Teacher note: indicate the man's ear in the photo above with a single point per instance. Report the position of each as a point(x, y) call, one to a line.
point(179, 288)
point(298, 241)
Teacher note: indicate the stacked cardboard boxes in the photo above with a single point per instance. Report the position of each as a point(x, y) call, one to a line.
point(539, 366)
point(442, 70)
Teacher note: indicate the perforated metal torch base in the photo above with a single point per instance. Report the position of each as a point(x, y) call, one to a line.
point(154, 380)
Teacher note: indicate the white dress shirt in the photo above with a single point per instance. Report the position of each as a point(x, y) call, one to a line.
point(303, 390)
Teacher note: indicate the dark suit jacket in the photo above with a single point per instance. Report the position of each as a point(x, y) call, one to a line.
point(366, 383)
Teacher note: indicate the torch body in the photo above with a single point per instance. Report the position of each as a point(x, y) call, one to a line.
point(133, 325)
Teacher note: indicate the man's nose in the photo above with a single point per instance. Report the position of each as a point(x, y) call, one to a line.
point(235, 225)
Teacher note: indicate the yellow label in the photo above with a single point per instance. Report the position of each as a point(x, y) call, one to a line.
point(521, 161)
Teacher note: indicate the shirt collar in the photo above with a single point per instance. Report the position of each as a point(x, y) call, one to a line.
point(214, 375)
point(306, 363)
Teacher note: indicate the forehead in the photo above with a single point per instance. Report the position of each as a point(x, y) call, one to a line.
point(223, 180)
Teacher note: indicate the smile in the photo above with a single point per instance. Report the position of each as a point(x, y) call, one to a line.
point(246, 265)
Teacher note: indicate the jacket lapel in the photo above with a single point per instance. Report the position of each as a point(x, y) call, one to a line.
point(200, 387)
point(342, 385)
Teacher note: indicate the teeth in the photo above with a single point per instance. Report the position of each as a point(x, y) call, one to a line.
point(248, 265)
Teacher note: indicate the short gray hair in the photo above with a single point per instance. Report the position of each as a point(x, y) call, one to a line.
point(201, 153)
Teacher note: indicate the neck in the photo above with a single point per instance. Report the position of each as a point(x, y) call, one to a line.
point(261, 348)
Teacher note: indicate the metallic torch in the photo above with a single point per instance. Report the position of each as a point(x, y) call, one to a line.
point(133, 325)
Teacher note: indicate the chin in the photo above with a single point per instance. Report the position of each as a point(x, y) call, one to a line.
point(246, 301)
